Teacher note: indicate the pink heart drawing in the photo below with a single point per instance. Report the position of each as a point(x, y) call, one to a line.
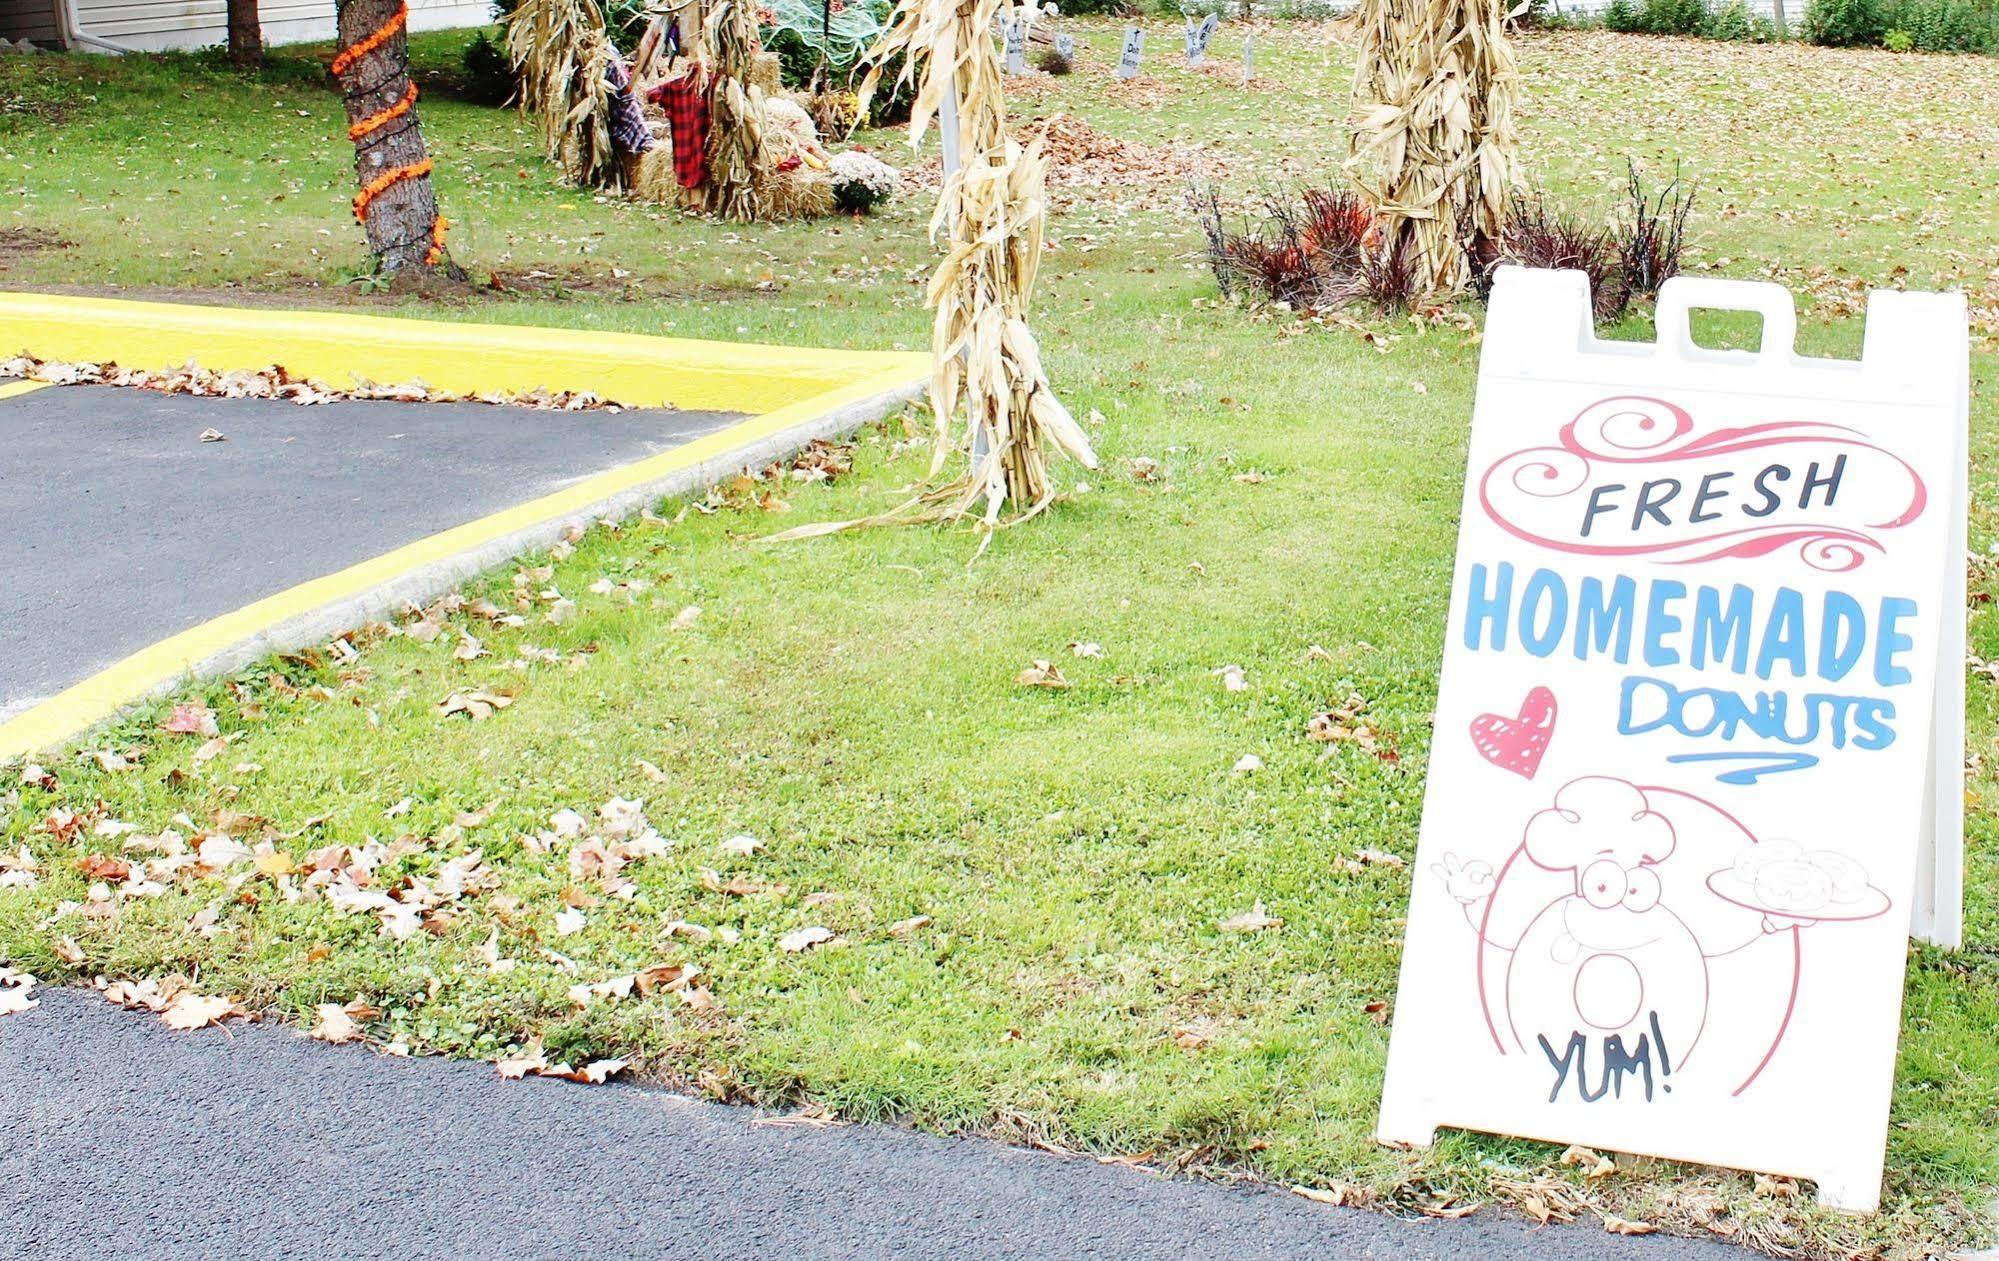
point(1516, 744)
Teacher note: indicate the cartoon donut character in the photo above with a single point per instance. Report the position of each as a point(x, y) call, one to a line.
point(1607, 960)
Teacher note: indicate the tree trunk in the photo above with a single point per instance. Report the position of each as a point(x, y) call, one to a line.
point(1777, 12)
point(246, 34)
point(395, 205)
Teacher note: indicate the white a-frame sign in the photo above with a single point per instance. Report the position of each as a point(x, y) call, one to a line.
point(1697, 761)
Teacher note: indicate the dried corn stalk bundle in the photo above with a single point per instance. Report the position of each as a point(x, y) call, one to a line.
point(736, 157)
point(991, 215)
point(563, 56)
point(1433, 141)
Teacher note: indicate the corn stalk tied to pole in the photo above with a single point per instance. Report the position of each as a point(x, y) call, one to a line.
point(990, 218)
point(1433, 142)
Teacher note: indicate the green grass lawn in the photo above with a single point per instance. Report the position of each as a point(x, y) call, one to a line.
point(852, 703)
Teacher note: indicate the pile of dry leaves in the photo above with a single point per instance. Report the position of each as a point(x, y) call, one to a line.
point(1080, 156)
point(275, 382)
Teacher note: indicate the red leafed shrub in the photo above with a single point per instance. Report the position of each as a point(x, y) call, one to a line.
point(1626, 259)
point(1324, 248)
point(1536, 234)
point(1317, 251)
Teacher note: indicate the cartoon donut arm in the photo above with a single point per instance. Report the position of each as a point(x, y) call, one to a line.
point(1471, 882)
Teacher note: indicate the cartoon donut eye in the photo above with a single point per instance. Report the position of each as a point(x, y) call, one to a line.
point(1642, 893)
point(1604, 884)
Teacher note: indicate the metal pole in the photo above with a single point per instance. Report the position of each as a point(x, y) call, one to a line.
point(947, 124)
point(947, 128)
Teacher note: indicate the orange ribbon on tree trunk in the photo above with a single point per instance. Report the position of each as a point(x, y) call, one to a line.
point(343, 61)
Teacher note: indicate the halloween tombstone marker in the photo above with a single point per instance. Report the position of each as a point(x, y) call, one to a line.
point(1198, 35)
point(1128, 57)
point(1698, 736)
point(1013, 28)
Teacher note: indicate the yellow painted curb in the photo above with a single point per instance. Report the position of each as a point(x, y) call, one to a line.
point(340, 349)
point(804, 389)
point(10, 389)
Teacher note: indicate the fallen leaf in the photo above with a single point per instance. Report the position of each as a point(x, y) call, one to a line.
point(1232, 677)
point(1130, 1160)
point(740, 886)
point(905, 927)
point(1625, 1226)
point(802, 939)
point(16, 989)
point(219, 852)
point(477, 705)
point(1594, 1164)
point(341, 1022)
point(1340, 1194)
point(666, 977)
point(1253, 920)
point(272, 862)
point(584, 993)
point(685, 618)
point(104, 867)
point(190, 1010)
point(1777, 1188)
point(212, 435)
point(530, 1059)
point(1247, 764)
point(595, 1073)
point(1082, 649)
point(742, 846)
point(109, 760)
point(190, 718)
point(1042, 674)
point(1367, 857)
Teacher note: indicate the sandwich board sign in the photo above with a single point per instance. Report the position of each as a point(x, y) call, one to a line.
point(1134, 48)
point(1698, 747)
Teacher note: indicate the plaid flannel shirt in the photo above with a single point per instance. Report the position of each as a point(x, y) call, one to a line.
point(685, 101)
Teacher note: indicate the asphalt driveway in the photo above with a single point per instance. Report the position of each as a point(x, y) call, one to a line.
point(124, 1138)
point(125, 527)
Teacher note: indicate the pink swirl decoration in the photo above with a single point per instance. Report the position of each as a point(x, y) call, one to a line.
point(1636, 430)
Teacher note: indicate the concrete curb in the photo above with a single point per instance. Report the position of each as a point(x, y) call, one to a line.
point(318, 610)
point(431, 580)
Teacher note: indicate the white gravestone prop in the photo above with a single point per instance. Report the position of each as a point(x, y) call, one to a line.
point(1013, 29)
point(1134, 48)
point(1065, 45)
point(1198, 35)
point(1698, 746)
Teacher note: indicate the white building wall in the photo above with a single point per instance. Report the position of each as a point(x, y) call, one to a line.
point(1794, 9)
point(150, 25)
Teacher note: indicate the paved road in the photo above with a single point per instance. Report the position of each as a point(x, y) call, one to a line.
point(122, 1138)
point(123, 527)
